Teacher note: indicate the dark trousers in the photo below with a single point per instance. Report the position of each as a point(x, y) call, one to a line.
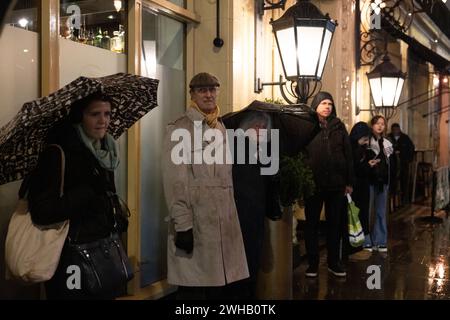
point(334, 201)
point(361, 197)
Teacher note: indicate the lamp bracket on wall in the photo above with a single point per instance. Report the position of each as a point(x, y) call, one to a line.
point(264, 5)
point(261, 85)
point(294, 92)
point(373, 45)
point(374, 18)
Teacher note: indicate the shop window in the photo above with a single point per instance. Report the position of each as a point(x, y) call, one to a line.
point(164, 52)
point(24, 15)
point(19, 68)
point(19, 59)
point(95, 49)
point(99, 23)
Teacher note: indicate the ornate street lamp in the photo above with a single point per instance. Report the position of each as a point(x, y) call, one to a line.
point(303, 35)
point(386, 84)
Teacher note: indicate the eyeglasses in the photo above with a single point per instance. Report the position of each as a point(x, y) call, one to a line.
point(204, 90)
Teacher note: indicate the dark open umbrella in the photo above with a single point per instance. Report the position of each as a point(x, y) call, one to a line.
point(297, 123)
point(22, 139)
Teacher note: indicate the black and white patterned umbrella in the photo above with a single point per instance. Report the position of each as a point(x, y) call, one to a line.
point(22, 139)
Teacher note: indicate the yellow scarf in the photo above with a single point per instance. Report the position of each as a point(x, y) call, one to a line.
point(210, 118)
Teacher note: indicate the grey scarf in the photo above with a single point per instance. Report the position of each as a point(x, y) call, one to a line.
point(109, 158)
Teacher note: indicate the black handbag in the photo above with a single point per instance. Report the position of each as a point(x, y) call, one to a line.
point(104, 265)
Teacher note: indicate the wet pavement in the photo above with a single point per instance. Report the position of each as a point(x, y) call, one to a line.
point(415, 267)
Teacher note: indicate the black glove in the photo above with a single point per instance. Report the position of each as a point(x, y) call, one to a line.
point(185, 240)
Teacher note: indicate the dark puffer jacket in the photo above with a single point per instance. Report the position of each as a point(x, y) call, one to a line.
point(361, 154)
point(89, 190)
point(329, 154)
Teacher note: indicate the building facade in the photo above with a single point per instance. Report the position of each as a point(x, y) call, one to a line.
point(46, 44)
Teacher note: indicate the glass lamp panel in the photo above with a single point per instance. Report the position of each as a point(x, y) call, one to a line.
point(388, 90)
point(309, 41)
point(324, 53)
point(399, 91)
point(375, 89)
point(286, 44)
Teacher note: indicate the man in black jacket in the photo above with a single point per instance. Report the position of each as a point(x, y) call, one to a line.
point(255, 196)
point(329, 155)
point(404, 154)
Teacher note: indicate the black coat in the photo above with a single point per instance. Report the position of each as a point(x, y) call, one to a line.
point(361, 190)
point(405, 146)
point(89, 190)
point(329, 155)
point(361, 157)
point(256, 198)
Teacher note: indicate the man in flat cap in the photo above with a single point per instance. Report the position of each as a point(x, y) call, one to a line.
point(205, 247)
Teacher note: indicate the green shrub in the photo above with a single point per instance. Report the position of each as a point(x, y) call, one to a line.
point(295, 180)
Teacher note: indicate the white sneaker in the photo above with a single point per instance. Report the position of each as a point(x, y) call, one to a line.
point(368, 248)
point(311, 272)
point(382, 249)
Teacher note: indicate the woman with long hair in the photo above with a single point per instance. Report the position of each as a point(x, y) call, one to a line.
point(379, 185)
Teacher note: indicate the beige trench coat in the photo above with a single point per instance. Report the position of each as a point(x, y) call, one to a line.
point(200, 196)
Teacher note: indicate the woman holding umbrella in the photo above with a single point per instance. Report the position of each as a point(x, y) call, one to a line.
point(89, 200)
point(71, 137)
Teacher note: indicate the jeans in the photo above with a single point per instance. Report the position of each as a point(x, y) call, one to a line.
point(378, 227)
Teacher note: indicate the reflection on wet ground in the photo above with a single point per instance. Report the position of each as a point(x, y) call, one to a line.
point(415, 267)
